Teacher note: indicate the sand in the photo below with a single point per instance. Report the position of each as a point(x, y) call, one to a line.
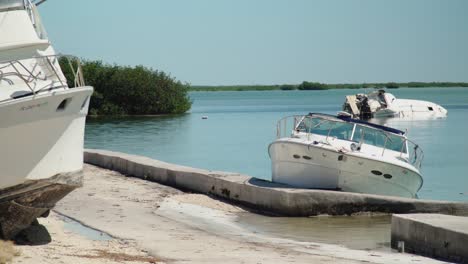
point(149, 222)
point(69, 247)
point(7, 251)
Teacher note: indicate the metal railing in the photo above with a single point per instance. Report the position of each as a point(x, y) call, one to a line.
point(286, 125)
point(410, 152)
point(416, 154)
point(43, 70)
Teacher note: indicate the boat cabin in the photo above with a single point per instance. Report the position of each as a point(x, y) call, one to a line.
point(354, 130)
point(352, 135)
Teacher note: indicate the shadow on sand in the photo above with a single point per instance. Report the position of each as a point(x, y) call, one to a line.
point(34, 235)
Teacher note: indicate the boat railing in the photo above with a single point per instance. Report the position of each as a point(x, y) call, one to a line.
point(415, 153)
point(409, 152)
point(286, 125)
point(43, 70)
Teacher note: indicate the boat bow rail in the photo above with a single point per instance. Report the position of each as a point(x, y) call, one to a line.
point(40, 73)
point(292, 127)
point(286, 125)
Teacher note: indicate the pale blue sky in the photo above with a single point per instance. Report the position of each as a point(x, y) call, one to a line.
point(269, 41)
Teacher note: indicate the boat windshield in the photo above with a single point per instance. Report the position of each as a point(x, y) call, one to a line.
point(320, 126)
point(344, 131)
point(378, 138)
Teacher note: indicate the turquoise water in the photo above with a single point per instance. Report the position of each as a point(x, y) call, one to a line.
point(240, 126)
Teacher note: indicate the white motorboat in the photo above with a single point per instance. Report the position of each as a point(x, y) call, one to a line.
point(42, 120)
point(340, 153)
point(380, 104)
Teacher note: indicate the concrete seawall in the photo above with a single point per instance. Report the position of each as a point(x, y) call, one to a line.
point(433, 235)
point(263, 195)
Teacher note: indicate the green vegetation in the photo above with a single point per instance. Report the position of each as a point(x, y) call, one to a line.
point(312, 86)
point(288, 87)
point(323, 86)
point(235, 88)
point(392, 85)
point(123, 90)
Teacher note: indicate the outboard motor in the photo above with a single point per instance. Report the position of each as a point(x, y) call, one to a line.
point(366, 112)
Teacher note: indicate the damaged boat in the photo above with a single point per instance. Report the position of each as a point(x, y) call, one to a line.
point(322, 151)
point(380, 104)
point(42, 120)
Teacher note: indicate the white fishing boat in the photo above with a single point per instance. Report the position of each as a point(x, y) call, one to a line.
point(340, 153)
point(42, 119)
point(380, 104)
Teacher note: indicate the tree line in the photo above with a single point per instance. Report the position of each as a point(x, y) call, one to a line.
point(323, 86)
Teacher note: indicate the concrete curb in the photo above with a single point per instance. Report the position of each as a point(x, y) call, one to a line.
point(263, 195)
point(433, 235)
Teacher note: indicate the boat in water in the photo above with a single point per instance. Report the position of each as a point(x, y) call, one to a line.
point(380, 104)
point(322, 151)
point(42, 117)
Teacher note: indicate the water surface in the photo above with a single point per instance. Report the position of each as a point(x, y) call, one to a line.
point(240, 126)
point(357, 232)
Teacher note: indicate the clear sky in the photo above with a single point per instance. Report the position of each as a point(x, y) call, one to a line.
point(269, 41)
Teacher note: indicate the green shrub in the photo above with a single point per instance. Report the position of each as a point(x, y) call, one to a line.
point(123, 90)
point(312, 86)
point(287, 87)
point(391, 85)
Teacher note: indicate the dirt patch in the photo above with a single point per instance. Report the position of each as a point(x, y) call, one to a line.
point(118, 257)
point(7, 252)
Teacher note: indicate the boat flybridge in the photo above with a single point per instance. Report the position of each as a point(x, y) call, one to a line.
point(340, 153)
point(380, 104)
point(42, 119)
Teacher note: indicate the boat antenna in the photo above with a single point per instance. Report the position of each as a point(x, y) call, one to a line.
point(38, 2)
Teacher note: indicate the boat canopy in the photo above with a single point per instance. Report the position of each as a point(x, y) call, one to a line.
point(357, 121)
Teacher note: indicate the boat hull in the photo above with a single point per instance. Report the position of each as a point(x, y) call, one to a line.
point(308, 166)
point(41, 154)
point(40, 138)
point(21, 204)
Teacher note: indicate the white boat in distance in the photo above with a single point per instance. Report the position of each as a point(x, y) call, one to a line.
point(380, 104)
point(42, 120)
point(340, 153)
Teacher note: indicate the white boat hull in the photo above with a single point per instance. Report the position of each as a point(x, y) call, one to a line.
point(416, 109)
point(308, 166)
point(37, 140)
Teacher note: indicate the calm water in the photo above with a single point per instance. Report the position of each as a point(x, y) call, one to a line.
point(240, 126)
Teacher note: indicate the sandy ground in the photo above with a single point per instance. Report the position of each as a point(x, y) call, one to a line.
point(69, 247)
point(7, 251)
point(152, 223)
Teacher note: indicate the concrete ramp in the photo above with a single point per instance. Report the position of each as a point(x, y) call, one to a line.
point(433, 235)
point(263, 195)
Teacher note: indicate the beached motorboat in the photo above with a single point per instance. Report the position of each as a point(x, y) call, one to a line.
point(340, 153)
point(378, 104)
point(42, 120)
